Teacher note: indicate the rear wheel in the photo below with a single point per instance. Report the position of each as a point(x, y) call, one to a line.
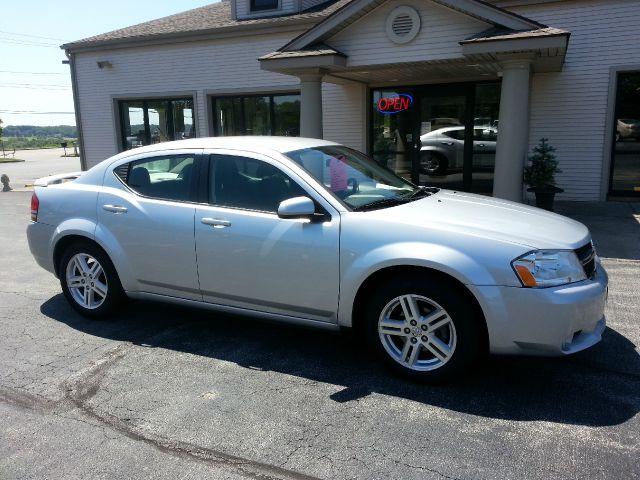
point(89, 280)
point(423, 327)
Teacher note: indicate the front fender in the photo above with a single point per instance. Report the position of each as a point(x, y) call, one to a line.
point(436, 257)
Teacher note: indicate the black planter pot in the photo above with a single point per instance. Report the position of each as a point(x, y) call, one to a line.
point(545, 196)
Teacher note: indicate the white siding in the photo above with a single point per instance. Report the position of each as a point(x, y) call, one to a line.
point(570, 107)
point(224, 65)
point(343, 114)
point(243, 9)
point(366, 42)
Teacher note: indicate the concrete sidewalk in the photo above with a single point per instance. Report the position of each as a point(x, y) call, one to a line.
point(615, 226)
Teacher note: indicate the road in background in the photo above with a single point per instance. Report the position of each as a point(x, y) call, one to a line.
point(38, 163)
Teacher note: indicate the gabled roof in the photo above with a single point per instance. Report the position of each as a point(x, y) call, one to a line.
point(351, 11)
point(497, 34)
point(208, 20)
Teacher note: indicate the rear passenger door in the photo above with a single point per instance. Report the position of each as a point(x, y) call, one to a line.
point(249, 257)
point(146, 213)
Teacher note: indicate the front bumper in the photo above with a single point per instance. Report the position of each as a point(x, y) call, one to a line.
point(547, 321)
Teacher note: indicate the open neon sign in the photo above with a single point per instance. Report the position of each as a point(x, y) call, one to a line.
point(396, 104)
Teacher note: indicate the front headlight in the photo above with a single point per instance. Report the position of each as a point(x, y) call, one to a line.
point(547, 268)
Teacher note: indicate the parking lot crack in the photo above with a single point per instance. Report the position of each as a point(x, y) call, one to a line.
point(85, 385)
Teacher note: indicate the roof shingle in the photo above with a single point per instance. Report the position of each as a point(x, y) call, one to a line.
point(202, 20)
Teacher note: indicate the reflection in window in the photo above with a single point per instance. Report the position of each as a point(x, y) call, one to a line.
point(257, 115)
point(625, 176)
point(145, 122)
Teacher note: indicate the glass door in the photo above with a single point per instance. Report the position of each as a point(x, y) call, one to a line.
point(625, 164)
point(393, 129)
point(439, 135)
point(443, 139)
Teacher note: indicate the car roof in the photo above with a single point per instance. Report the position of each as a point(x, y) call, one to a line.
point(247, 143)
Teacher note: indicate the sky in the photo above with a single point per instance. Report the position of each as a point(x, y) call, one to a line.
point(35, 87)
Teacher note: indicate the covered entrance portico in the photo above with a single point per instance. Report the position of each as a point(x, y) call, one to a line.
point(390, 49)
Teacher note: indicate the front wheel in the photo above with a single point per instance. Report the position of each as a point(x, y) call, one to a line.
point(423, 328)
point(89, 280)
point(433, 163)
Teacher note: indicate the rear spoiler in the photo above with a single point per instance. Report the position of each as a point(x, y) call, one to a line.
point(56, 179)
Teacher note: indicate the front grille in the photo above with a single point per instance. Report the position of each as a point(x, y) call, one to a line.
point(587, 256)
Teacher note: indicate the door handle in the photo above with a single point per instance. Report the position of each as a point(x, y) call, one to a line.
point(481, 145)
point(216, 222)
point(447, 143)
point(115, 208)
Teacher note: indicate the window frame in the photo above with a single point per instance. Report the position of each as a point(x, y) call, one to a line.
point(613, 107)
point(145, 100)
point(242, 97)
point(194, 187)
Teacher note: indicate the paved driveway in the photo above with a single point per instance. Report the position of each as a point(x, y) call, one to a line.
point(166, 392)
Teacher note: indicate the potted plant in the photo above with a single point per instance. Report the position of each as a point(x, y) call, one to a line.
point(540, 175)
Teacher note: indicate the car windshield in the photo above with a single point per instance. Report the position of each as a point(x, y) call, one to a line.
point(358, 181)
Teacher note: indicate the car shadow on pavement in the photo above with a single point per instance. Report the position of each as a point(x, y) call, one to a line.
point(598, 387)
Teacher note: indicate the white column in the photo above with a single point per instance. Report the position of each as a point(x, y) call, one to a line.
point(513, 131)
point(311, 106)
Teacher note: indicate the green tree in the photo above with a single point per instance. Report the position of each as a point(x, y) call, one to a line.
point(541, 173)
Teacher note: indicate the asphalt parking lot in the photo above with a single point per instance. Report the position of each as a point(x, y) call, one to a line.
point(167, 392)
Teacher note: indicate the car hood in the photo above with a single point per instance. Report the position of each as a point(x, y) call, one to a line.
point(487, 217)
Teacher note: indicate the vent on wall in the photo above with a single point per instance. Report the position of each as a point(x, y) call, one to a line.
point(403, 24)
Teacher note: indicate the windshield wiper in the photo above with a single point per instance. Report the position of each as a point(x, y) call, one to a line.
point(422, 192)
point(383, 202)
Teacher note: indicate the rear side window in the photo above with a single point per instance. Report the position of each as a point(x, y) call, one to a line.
point(167, 177)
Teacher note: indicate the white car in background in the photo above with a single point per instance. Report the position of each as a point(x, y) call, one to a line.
point(275, 228)
point(442, 150)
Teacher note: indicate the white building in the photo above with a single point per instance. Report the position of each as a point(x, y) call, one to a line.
point(480, 81)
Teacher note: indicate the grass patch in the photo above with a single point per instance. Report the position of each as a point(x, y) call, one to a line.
point(10, 160)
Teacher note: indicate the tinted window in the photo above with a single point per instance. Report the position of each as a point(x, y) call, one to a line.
point(144, 122)
point(257, 115)
point(257, 5)
point(455, 134)
point(166, 177)
point(251, 184)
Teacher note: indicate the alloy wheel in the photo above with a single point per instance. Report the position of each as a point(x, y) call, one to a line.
point(86, 281)
point(417, 332)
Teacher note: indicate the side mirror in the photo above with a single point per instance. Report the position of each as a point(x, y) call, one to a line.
point(297, 207)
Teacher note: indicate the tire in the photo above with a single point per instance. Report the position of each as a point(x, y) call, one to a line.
point(446, 338)
point(89, 280)
point(433, 163)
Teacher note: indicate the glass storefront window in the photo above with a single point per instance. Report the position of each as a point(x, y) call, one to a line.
point(257, 115)
point(392, 134)
point(625, 169)
point(286, 110)
point(145, 122)
point(133, 129)
point(485, 136)
point(445, 137)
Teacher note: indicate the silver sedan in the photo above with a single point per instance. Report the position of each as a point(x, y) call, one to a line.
point(313, 233)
